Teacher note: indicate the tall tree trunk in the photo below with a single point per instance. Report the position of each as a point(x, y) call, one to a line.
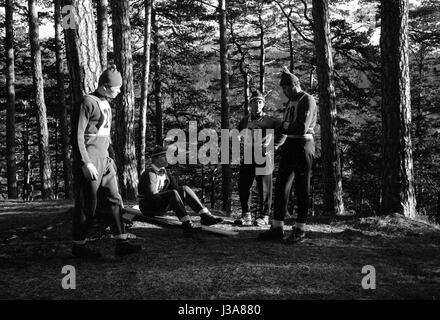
point(397, 162)
point(246, 86)
point(226, 168)
point(157, 81)
point(82, 50)
point(125, 146)
point(144, 90)
point(38, 86)
point(26, 155)
point(289, 33)
point(11, 159)
point(102, 31)
point(422, 53)
point(57, 156)
point(64, 130)
point(262, 56)
point(333, 203)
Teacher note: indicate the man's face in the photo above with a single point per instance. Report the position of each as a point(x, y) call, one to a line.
point(288, 91)
point(291, 91)
point(160, 161)
point(112, 92)
point(257, 106)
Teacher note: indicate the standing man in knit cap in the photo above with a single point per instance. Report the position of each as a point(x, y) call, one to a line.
point(96, 185)
point(295, 165)
point(158, 191)
point(257, 119)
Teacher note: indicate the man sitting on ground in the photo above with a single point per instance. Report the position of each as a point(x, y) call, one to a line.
point(158, 192)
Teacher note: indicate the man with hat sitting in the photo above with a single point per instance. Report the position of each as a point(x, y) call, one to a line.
point(158, 192)
point(257, 119)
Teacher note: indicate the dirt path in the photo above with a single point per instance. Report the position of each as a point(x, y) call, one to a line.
point(35, 245)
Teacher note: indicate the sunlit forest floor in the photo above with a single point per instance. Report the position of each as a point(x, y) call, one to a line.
point(35, 245)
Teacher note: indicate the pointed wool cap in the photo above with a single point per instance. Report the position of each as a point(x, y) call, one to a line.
point(288, 79)
point(111, 77)
point(257, 95)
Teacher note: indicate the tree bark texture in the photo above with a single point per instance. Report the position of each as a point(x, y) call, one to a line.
point(38, 88)
point(125, 113)
point(332, 178)
point(397, 194)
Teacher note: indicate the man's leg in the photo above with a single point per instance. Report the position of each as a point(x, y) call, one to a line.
point(303, 171)
point(173, 198)
point(83, 213)
point(113, 201)
point(245, 180)
point(283, 185)
point(189, 197)
point(264, 184)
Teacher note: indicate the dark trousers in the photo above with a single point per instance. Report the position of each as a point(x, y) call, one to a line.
point(100, 195)
point(174, 199)
point(295, 169)
point(264, 184)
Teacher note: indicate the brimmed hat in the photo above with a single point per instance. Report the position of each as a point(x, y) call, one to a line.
point(158, 151)
point(288, 79)
point(257, 95)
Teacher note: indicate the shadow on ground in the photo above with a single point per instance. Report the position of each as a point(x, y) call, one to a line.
point(34, 246)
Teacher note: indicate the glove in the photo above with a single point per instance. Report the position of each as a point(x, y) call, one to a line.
point(90, 172)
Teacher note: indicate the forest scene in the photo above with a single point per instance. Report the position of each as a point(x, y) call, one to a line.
point(373, 68)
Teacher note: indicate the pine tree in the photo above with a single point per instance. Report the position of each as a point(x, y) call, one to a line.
point(397, 194)
point(125, 138)
point(40, 105)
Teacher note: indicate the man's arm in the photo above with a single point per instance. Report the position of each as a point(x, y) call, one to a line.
point(85, 110)
point(173, 182)
point(279, 137)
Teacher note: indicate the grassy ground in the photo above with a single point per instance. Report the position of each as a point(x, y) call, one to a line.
point(35, 245)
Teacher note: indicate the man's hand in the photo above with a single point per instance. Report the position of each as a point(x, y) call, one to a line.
point(90, 172)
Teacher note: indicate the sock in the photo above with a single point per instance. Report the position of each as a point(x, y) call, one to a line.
point(79, 242)
point(203, 211)
point(277, 224)
point(185, 218)
point(300, 226)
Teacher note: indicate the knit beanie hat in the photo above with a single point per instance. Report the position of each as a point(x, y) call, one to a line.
point(111, 77)
point(257, 95)
point(288, 79)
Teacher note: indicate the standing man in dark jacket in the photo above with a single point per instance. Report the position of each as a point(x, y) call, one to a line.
point(158, 191)
point(95, 178)
point(296, 161)
point(257, 119)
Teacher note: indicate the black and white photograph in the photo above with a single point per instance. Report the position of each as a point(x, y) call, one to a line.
point(228, 157)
